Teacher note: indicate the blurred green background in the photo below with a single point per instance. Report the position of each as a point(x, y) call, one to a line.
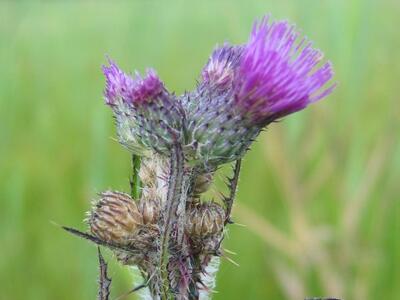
point(319, 192)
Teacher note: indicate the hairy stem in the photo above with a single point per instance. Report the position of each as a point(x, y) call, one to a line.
point(175, 187)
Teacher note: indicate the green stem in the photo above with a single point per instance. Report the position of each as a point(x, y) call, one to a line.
point(135, 179)
point(232, 184)
point(175, 187)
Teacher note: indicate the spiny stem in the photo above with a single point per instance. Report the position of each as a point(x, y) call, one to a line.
point(233, 182)
point(104, 281)
point(175, 184)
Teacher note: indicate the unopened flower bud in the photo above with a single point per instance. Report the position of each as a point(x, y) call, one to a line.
point(205, 219)
point(202, 183)
point(115, 218)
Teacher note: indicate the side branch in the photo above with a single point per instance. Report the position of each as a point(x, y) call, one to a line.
point(104, 280)
point(232, 184)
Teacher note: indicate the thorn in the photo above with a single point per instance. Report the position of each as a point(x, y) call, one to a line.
point(54, 223)
point(230, 252)
point(239, 224)
point(230, 221)
point(232, 261)
point(96, 240)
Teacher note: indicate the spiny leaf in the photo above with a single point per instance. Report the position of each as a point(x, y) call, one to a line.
point(96, 240)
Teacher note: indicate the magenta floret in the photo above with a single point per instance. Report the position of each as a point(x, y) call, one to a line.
point(278, 73)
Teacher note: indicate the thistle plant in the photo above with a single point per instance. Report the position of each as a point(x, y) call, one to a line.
point(166, 227)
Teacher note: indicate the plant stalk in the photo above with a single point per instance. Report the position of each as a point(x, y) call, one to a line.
point(174, 199)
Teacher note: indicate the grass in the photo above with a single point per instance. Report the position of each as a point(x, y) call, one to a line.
point(318, 192)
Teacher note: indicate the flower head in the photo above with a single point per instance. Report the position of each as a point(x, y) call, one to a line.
point(148, 117)
point(146, 88)
point(243, 88)
point(118, 84)
point(115, 218)
point(130, 90)
point(278, 73)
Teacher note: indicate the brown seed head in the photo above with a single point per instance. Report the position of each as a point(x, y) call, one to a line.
point(115, 218)
point(205, 219)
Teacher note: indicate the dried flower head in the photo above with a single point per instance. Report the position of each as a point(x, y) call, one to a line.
point(115, 218)
point(205, 219)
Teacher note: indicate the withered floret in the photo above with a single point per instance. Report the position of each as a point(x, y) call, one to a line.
point(150, 210)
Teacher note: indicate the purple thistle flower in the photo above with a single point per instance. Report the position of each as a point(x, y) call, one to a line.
point(146, 88)
point(133, 91)
point(147, 116)
point(243, 88)
point(118, 83)
point(246, 87)
point(278, 74)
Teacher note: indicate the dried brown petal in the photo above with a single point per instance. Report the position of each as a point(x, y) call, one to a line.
point(150, 210)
